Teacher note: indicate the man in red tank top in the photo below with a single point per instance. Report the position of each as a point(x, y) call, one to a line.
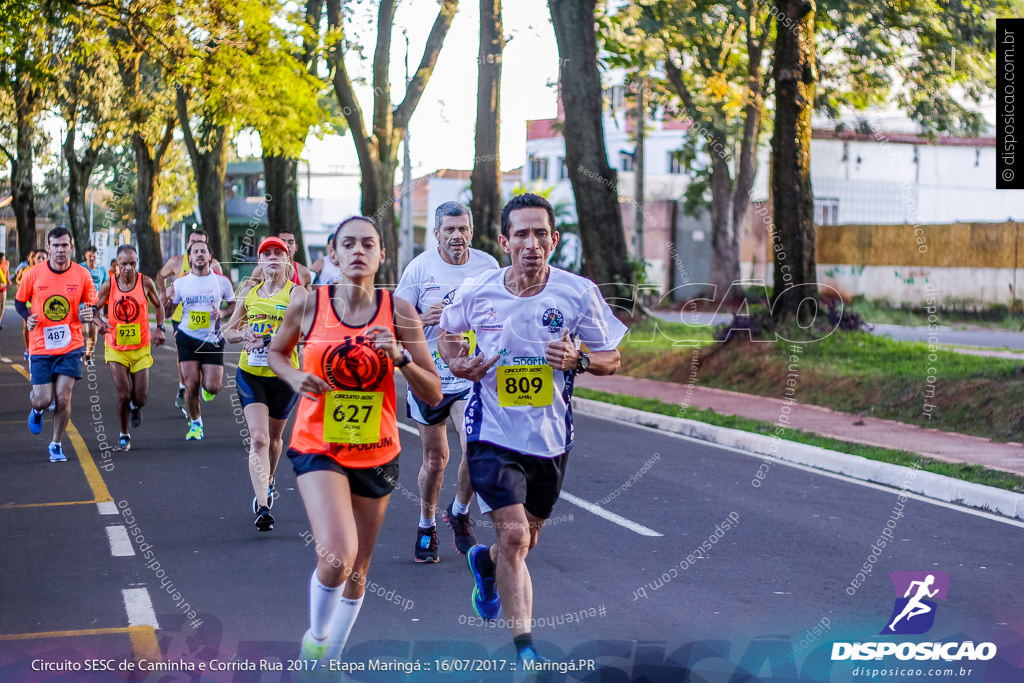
point(123, 305)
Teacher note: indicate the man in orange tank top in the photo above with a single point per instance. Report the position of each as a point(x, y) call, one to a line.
point(123, 308)
point(62, 296)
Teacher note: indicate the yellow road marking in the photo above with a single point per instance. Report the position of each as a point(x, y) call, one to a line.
point(143, 638)
point(92, 474)
point(11, 506)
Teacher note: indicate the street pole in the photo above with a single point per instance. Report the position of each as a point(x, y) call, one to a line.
point(406, 239)
point(638, 170)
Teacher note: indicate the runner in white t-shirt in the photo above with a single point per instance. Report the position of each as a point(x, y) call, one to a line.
point(198, 337)
point(527, 319)
point(429, 283)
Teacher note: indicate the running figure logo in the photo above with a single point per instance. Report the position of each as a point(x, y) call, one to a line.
point(914, 612)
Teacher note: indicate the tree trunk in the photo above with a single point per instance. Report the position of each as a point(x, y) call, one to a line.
point(147, 164)
point(22, 193)
point(594, 182)
point(378, 202)
point(378, 149)
point(208, 150)
point(485, 182)
point(281, 175)
point(792, 196)
point(725, 244)
point(211, 169)
point(79, 173)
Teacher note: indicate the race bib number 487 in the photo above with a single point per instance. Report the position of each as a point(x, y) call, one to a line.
point(56, 336)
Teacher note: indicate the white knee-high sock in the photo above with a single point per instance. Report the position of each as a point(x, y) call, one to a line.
point(341, 626)
point(323, 602)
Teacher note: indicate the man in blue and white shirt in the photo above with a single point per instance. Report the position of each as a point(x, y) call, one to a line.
point(528, 319)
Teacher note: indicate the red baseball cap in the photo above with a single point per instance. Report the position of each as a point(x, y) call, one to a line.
point(269, 242)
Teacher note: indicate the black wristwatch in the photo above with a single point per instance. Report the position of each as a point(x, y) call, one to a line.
point(406, 359)
point(583, 362)
point(267, 338)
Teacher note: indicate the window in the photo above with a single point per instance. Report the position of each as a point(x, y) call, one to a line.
point(616, 97)
point(826, 211)
point(627, 161)
point(675, 162)
point(563, 171)
point(538, 168)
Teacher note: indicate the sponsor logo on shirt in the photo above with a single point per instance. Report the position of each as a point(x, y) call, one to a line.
point(126, 309)
point(553, 320)
point(355, 365)
point(56, 308)
point(528, 360)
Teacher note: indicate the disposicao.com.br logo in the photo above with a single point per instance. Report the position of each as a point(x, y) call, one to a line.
point(913, 613)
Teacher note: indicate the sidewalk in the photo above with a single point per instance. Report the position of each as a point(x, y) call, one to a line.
point(930, 443)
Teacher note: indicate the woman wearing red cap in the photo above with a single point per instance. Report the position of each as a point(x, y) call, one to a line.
point(344, 444)
point(266, 399)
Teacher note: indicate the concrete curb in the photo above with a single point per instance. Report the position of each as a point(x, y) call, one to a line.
point(929, 484)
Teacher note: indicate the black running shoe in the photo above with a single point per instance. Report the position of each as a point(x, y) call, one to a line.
point(135, 417)
point(462, 527)
point(426, 545)
point(264, 520)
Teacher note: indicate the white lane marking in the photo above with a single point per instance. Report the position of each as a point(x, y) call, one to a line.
point(230, 364)
point(823, 473)
point(5, 359)
point(107, 507)
point(139, 607)
point(568, 497)
point(120, 543)
point(610, 516)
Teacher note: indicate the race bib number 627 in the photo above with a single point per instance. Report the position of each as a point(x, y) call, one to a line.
point(353, 417)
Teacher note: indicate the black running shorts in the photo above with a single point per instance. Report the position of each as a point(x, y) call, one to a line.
point(503, 477)
point(272, 392)
point(191, 349)
point(368, 482)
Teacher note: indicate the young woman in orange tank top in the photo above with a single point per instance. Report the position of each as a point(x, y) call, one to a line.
point(344, 445)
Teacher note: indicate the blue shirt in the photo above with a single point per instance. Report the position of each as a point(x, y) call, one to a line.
point(99, 274)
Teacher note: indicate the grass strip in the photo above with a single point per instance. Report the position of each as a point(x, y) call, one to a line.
point(963, 471)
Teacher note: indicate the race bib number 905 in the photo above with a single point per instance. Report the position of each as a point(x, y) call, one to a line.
point(198, 319)
point(525, 385)
point(353, 417)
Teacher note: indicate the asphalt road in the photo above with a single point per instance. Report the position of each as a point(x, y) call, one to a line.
point(621, 580)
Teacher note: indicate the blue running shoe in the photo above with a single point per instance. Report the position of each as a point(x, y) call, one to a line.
point(56, 453)
point(486, 600)
point(35, 422)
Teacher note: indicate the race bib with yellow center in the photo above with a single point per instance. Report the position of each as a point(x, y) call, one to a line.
point(57, 336)
point(525, 385)
point(470, 337)
point(353, 417)
point(128, 334)
point(198, 319)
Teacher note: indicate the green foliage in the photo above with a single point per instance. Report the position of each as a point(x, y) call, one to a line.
point(971, 473)
point(902, 52)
